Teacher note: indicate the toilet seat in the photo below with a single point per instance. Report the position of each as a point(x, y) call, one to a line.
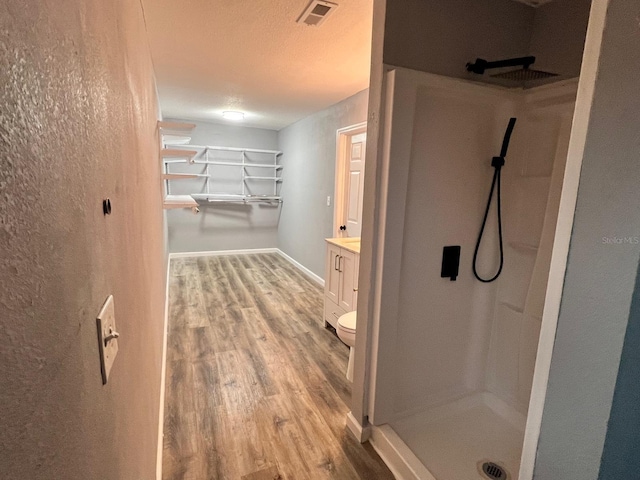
point(347, 328)
point(348, 321)
point(346, 331)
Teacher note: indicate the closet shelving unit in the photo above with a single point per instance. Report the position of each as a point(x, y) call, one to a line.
point(173, 134)
point(202, 155)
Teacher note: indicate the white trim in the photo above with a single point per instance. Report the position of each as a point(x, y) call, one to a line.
point(361, 433)
point(163, 373)
point(219, 253)
point(564, 227)
point(316, 278)
point(401, 92)
point(402, 462)
point(251, 251)
point(342, 135)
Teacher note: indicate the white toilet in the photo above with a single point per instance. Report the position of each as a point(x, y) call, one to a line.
point(347, 333)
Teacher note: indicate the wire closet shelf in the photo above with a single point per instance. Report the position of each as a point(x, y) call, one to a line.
point(248, 177)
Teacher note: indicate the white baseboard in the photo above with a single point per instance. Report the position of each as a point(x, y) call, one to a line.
point(163, 372)
point(247, 251)
point(316, 278)
point(402, 462)
point(361, 433)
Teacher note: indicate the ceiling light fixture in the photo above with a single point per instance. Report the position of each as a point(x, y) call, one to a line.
point(231, 115)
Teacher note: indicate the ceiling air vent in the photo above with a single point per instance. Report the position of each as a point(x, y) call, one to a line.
point(317, 12)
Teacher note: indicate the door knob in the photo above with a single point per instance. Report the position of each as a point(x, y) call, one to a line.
point(343, 227)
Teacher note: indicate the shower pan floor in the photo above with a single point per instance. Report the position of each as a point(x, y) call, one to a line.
point(451, 441)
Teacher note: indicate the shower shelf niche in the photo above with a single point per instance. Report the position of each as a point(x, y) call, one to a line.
point(524, 247)
point(510, 306)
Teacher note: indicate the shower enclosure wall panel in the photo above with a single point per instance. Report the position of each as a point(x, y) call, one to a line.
point(532, 185)
point(433, 125)
point(445, 197)
point(453, 373)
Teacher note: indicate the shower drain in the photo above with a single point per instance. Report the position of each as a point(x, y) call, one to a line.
point(494, 471)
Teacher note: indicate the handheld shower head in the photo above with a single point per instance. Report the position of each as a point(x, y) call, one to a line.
point(507, 137)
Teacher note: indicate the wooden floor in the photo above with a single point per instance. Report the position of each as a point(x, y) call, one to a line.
point(255, 385)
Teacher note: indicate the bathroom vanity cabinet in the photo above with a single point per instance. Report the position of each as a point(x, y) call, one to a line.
point(341, 278)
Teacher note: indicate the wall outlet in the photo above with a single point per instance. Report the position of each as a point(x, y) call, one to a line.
point(107, 337)
point(328, 200)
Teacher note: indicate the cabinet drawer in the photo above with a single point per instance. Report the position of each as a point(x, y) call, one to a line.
point(332, 312)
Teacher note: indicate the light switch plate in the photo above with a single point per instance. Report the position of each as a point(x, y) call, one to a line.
point(107, 337)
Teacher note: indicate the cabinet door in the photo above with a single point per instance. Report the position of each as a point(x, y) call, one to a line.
point(348, 277)
point(332, 275)
point(355, 283)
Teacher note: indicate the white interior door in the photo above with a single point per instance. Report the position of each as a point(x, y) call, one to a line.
point(355, 184)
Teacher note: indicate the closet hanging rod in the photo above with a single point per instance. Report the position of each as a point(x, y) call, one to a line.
point(213, 198)
point(255, 200)
point(227, 164)
point(253, 177)
point(238, 164)
point(231, 196)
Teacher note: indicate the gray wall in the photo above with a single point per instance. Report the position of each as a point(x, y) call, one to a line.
point(225, 226)
point(559, 29)
point(442, 36)
point(601, 271)
point(622, 444)
point(309, 158)
point(78, 124)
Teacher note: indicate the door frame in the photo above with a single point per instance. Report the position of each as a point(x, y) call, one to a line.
point(343, 136)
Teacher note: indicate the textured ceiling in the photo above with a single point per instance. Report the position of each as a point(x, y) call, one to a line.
point(215, 55)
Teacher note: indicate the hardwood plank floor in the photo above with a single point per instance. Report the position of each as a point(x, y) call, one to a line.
point(256, 386)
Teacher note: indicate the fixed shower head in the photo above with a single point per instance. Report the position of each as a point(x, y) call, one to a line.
point(523, 74)
point(480, 65)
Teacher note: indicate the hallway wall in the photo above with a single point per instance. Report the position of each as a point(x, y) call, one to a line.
point(309, 157)
point(589, 366)
point(78, 124)
point(229, 226)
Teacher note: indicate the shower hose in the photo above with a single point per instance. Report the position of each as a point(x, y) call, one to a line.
point(497, 163)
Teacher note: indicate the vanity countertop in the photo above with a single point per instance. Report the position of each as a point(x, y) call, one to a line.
point(348, 243)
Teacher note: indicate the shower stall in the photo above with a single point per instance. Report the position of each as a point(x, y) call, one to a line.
point(453, 361)
point(456, 363)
